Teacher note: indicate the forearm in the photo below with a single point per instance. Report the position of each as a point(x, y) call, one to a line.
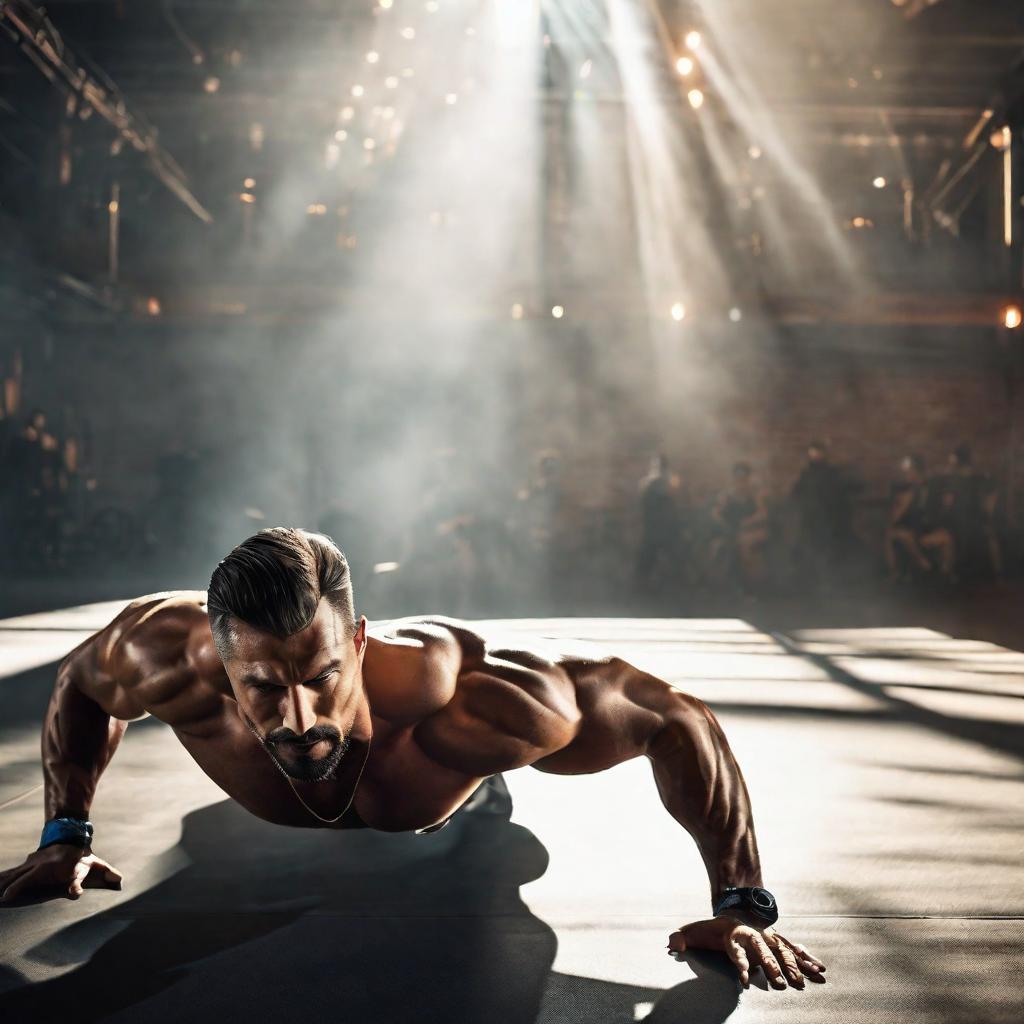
point(79, 739)
point(702, 787)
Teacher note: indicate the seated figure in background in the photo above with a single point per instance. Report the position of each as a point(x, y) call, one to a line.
point(915, 528)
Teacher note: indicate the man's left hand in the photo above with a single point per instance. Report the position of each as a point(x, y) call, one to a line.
point(783, 962)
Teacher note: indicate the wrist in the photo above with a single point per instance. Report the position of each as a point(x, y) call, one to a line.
point(735, 879)
point(749, 904)
point(67, 831)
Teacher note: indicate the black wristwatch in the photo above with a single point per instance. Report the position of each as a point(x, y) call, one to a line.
point(755, 902)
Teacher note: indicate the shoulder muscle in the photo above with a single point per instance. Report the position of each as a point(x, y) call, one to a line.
point(154, 657)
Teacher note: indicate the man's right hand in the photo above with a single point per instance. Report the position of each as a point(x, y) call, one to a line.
point(57, 870)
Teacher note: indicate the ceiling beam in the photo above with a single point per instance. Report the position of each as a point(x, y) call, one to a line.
point(36, 36)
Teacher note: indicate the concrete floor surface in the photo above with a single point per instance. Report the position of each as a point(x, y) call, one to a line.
point(885, 768)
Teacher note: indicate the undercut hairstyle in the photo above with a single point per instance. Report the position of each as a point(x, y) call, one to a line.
point(274, 582)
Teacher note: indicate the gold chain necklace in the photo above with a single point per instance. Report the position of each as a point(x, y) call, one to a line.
point(298, 795)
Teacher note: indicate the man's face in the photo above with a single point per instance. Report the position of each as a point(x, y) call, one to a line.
point(299, 694)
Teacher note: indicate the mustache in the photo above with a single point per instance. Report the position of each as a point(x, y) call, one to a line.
point(316, 734)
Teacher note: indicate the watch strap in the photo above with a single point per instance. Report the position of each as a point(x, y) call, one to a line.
point(70, 831)
point(753, 900)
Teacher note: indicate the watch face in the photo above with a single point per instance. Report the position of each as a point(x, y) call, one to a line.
point(762, 899)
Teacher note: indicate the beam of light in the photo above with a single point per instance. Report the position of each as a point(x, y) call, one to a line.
point(669, 199)
point(745, 104)
point(454, 127)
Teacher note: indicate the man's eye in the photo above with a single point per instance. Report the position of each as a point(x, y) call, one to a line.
point(264, 687)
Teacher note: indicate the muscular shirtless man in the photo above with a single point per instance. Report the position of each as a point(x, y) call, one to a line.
point(302, 716)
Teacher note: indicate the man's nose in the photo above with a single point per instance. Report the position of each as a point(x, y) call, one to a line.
point(299, 714)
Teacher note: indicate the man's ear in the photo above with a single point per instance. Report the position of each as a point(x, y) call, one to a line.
point(360, 637)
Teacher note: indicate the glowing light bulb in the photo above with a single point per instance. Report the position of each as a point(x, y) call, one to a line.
point(249, 183)
point(113, 206)
point(517, 311)
point(347, 113)
point(585, 68)
point(408, 32)
point(451, 99)
point(693, 39)
point(247, 197)
point(685, 66)
point(1012, 317)
point(754, 152)
point(558, 312)
point(369, 144)
point(372, 57)
point(432, 6)
point(735, 314)
point(696, 98)
point(391, 82)
point(1001, 138)
point(879, 182)
point(212, 84)
point(386, 5)
point(678, 311)
point(357, 91)
point(340, 135)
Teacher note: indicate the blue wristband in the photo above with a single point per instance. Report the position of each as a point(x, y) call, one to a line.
point(72, 831)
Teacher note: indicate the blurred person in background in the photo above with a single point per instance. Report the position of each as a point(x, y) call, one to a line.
point(915, 532)
point(538, 520)
point(663, 500)
point(31, 477)
point(822, 497)
point(968, 500)
point(741, 530)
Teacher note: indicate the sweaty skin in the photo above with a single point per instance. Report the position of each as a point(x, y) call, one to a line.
point(445, 707)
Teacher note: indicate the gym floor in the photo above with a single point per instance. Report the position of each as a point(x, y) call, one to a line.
point(884, 763)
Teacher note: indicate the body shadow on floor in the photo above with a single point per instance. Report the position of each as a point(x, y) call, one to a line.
point(269, 923)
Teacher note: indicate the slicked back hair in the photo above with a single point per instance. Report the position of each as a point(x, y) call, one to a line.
point(274, 582)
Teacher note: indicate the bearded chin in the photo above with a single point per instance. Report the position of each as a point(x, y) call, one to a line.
point(305, 769)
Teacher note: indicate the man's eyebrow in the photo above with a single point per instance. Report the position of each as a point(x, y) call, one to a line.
point(331, 666)
point(258, 679)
